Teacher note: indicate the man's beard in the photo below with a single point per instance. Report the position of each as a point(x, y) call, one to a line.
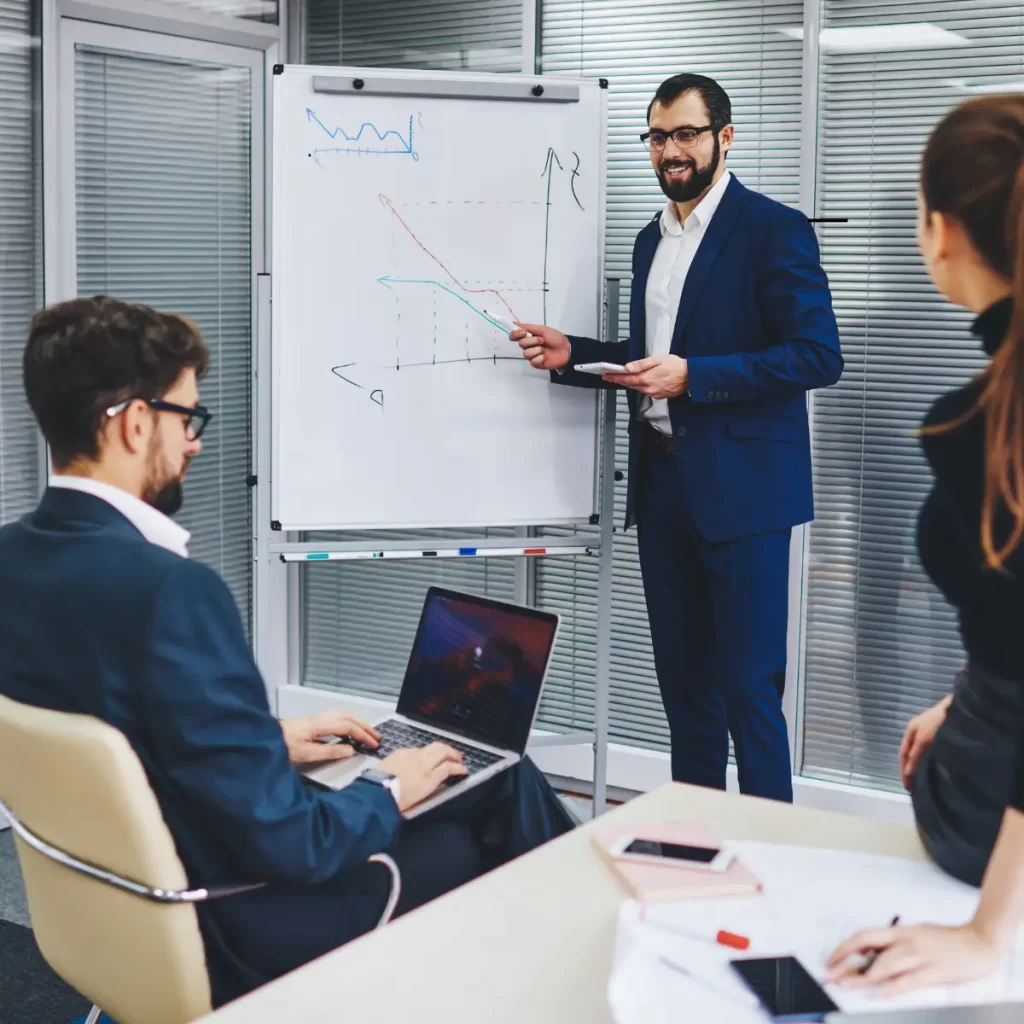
point(699, 181)
point(163, 490)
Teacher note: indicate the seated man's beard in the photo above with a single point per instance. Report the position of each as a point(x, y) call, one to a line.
point(167, 498)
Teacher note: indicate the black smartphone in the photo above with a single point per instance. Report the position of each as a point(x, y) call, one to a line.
point(785, 988)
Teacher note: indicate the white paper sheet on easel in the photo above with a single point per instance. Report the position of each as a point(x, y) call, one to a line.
point(812, 901)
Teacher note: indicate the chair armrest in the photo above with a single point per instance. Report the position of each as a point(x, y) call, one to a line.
point(199, 895)
point(396, 886)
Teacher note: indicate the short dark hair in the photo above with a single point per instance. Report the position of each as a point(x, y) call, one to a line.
point(716, 99)
point(85, 355)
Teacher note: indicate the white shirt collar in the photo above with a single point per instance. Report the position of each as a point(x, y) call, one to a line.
point(153, 525)
point(701, 214)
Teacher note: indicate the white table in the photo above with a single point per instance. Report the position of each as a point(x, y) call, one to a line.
point(530, 943)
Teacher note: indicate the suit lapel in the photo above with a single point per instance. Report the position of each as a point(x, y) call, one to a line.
point(646, 246)
point(722, 223)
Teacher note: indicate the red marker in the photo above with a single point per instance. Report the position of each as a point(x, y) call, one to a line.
point(722, 937)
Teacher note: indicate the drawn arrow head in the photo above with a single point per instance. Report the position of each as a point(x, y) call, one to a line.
point(385, 280)
point(551, 157)
point(309, 114)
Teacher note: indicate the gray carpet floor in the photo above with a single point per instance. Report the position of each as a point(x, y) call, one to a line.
point(30, 993)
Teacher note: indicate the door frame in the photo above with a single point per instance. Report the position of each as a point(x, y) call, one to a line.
point(157, 29)
point(59, 201)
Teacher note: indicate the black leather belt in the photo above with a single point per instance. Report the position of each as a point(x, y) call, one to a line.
point(661, 442)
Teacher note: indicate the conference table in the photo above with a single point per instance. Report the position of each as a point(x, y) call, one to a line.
point(533, 940)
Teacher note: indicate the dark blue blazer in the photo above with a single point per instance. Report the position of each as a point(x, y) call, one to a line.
point(96, 620)
point(756, 326)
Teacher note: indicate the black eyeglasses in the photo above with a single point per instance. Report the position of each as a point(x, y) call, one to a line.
point(684, 138)
point(196, 416)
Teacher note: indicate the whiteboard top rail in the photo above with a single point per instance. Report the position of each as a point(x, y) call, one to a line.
point(464, 85)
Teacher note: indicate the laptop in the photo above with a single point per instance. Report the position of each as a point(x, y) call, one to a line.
point(473, 681)
point(994, 1013)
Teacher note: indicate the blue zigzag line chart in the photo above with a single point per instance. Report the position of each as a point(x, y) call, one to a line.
point(349, 144)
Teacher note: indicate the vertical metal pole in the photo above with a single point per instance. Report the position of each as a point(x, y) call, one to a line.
point(799, 560)
point(602, 682)
point(263, 631)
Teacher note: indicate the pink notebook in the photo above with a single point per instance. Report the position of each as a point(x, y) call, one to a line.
point(652, 882)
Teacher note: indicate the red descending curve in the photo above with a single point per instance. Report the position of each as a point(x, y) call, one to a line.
point(412, 234)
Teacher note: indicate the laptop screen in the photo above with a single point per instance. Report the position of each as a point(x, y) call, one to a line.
point(477, 667)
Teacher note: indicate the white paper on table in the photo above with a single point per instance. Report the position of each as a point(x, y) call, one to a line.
point(812, 901)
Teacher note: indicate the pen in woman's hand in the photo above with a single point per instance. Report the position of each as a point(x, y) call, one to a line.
point(875, 953)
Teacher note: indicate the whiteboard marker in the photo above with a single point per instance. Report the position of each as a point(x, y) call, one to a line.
point(502, 322)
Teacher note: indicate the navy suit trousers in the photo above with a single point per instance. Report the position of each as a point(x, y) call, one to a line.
point(487, 826)
point(718, 615)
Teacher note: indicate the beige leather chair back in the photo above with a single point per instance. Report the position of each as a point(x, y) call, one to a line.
point(75, 782)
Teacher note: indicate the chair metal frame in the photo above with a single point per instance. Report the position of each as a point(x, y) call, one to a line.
point(166, 896)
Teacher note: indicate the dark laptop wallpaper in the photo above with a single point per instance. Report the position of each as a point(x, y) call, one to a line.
point(477, 670)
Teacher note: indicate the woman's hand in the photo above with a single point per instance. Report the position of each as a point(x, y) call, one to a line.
point(913, 957)
point(919, 736)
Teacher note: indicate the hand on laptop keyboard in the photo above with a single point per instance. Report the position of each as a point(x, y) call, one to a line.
point(398, 735)
point(421, 770)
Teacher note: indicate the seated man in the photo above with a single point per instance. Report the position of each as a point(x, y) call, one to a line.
point(102, 613)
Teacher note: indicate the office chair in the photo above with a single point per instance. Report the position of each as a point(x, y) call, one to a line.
point(108, 896)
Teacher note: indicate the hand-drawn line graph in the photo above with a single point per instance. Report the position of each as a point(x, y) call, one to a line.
point(382, 148)
point(461, 286)
point(425, 285)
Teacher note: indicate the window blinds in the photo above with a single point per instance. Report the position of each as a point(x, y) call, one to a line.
point(20, 256)
point(881, 642)
point(636, 46)
point(447, 35)
point(162, 172)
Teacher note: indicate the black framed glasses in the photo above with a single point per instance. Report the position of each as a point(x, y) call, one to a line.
point(684, 138)
point(196, 416)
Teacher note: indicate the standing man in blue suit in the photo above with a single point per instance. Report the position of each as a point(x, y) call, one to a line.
point(102, 613)
point(731, 324)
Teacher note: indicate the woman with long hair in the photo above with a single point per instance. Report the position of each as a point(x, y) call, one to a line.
point(962, 759)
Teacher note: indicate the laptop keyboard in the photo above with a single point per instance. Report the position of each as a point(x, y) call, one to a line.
point(396, 735)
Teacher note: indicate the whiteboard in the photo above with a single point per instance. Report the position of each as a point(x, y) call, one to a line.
point(401, 217)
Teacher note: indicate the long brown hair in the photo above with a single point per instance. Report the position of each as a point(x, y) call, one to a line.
point(973, 172)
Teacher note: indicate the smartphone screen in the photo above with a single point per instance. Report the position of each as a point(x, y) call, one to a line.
point(785, 988)
point(672, 851)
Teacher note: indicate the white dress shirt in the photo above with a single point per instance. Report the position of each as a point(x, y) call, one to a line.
point(153, 525)
point(671, 264)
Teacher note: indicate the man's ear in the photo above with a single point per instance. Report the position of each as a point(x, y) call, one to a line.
point(134, 427)
point(726, 137)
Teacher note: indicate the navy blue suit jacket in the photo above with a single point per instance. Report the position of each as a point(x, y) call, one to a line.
point(96, 620)
point(756, 326)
